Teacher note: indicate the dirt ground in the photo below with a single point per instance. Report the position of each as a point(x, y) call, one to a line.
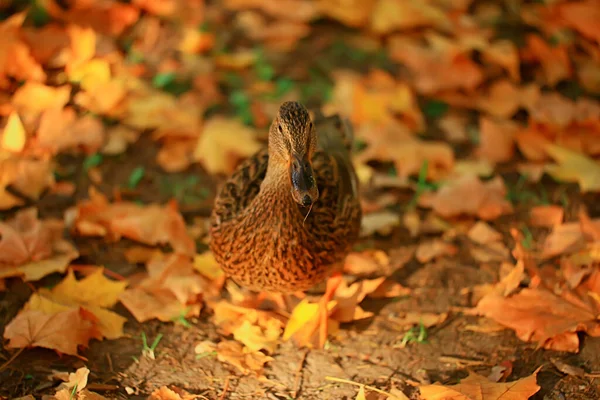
point(367, 352)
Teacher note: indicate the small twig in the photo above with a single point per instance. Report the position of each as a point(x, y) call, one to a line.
point(225, 388)
point(298, 379)
point(88, 269)
point(101, 387)
point(11, 359)
point(110, 363)
point(340, 380)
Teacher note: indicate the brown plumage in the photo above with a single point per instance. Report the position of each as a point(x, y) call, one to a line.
point(290, 213)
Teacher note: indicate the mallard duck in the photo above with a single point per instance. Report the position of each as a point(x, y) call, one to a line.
point(289, 214)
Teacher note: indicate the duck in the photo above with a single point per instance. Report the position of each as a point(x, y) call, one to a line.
point(287, 216)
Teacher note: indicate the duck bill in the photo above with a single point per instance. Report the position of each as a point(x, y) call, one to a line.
point(304, 187)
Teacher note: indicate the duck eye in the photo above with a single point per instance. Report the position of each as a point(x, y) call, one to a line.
point(310, 126)
point(280, 129)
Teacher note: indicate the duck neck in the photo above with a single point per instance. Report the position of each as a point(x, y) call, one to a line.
point(275, 189)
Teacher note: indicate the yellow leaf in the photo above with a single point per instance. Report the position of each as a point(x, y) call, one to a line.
point(255, 338)
point(206, 264)
point(244, 359)
point(361, 393)
point(91, 74)
point(303, 314)
point(93, 293)
point(223, 143)
point(95, 289)
point(574, 167)
point(109, 324)
point(14, 136)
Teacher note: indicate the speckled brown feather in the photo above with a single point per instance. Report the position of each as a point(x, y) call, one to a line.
point(261, 237)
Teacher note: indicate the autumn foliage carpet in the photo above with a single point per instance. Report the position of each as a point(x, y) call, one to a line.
point(477, 129)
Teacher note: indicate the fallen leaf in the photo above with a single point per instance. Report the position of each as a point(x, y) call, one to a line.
point(61, 129)
point(546, 216)
point(171, 393)
point(496, 139)
point(76, 381)
point(565, 238)
point(429, 250)
point(29, 177)
point(574, 167)
point(367, 263)
point(14, 136)
point(34, 97)
point(381, 222)
point(483, 233)
point(469, 195)
point(538, 315)
point(388, 16)
point(479, 387)
point(223, 143)
point(150, 224)
point(31, 248)
point(244, 359)
point(63, 331)
point(94, 293)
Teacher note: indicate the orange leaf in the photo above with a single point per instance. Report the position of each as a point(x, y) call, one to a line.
point(496, 139)
point(582, 16)
point(29, 177)
point(469, 195)
point(35, 97)
point(63, 331)
point(151, 224)
point(546, 216)
point(540, 316)
point(478, 387)
point(60, 129)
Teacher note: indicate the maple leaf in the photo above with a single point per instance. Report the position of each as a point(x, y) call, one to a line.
point(223, 143)
point(62, 331)
point(32, 248)
point(478, 387)
point(368, 262)
point(151, 224)
point(159, 304)
point(171, 290)
point(574, 167)
point(469, 195)
point(554, 60)
point(496, 142)
point(565, 237)
point(14, 136)
point(439, 65)
point(546, 215)
point(94, 293)
point(306, 322)
point(389, 15)
point(60, 129)
point(171, 393)
point(29, 177)
point(428, 250)
point(236, 354)
point(256, 329)
point(539, 315)
point(15, 57)
point(34, 97)
point(353, 13)
point(110, 18)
